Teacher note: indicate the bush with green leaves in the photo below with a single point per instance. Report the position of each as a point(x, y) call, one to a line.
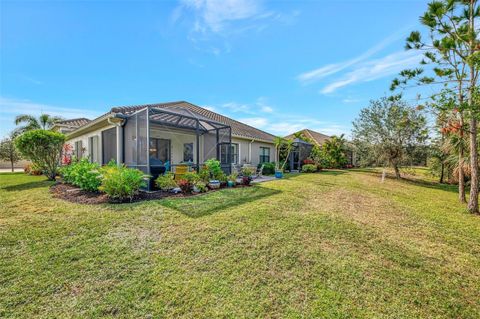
point(83, 174)
point(43, 148)
point(166, 182)
point(201, 187)
point(121, 183)
point(191, 177)
point(248, 171)
point(309, 168)
point(268, 168)
point(214, 168)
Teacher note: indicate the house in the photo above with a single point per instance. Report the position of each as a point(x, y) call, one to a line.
point(315, 138)
point(161, 136)
point(70, 125)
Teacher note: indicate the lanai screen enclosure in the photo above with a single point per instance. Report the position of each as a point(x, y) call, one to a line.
point(172, 128)
point(300, 151)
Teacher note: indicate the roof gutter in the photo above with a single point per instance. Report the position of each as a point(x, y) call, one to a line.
point(107, 116)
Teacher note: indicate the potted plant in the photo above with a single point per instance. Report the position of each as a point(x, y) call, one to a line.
point(214, 184)
point(278, 173)
point(247, 173)
point(283, 147)
point(232, 179)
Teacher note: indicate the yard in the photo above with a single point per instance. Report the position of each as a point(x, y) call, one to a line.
point(337, 244)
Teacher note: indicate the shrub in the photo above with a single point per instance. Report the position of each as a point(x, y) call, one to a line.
point(185, 185)
point(204, 175)
point(201, 187)
point(246, 180)
point(268, 168)
point(43, 148)
point(309, 168)
point(308, 161)
point(166, 182)
point(31, 169)
point(214, 168)
point(233, 177)
point(191, 177)
point(248, 171)
point(83, 174)
point(121, 183)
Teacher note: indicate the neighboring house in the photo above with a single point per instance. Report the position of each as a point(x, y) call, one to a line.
point(154, 135)
point(319, 139)
point(69, 125)
point(316, 137)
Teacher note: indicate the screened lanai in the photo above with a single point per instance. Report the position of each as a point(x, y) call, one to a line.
point(158, 139)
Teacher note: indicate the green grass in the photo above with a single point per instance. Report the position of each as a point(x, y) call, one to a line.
point(338, 244)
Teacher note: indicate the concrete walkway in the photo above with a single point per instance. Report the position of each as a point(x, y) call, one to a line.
point(9, 170)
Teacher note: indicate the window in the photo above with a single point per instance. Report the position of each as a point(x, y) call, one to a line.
point(78, 152)
point(188, 152)
point(109, 145)
point(159, 151)
point(264, 155)
point(93, 149)
point(233, 154)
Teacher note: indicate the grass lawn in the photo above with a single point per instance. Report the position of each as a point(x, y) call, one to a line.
point(337, 244)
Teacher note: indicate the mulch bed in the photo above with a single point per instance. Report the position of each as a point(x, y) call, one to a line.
point(76, 195)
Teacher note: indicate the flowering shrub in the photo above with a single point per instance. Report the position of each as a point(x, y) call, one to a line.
point(67, 153)
point(308, 161)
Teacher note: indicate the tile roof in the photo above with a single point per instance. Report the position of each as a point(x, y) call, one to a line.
point(238, 129)
point(317, 137)
point(74, 122)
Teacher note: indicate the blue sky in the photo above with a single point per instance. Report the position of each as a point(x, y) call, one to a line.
point(280, 66)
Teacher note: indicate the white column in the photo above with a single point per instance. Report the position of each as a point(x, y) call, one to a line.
point(119, 145)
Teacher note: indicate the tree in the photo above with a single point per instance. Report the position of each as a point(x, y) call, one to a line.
point(43, 122)
point(8, 152)
point(386, 129)
point(454, 51)
point(283, 148)
point(43, 148)
point(334, 151)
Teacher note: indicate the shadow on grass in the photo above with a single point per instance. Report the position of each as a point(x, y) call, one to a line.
point(210, 203)
point(411, 181)
point(27, 186)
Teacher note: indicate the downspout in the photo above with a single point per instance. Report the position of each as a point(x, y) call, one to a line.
point(250, 151)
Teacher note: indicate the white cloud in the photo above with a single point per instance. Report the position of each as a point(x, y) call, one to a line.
point(214, 23)
point(350, 100)
point(258, 122)
point(375, 69)
point(9, 108)
point(331, 69)
point(262, 103)
point(214, 15)
point(237, 107)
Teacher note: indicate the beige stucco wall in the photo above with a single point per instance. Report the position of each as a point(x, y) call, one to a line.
point(249, 152)
point(84, 138)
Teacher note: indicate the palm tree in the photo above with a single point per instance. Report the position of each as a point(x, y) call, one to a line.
point(43, 122)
